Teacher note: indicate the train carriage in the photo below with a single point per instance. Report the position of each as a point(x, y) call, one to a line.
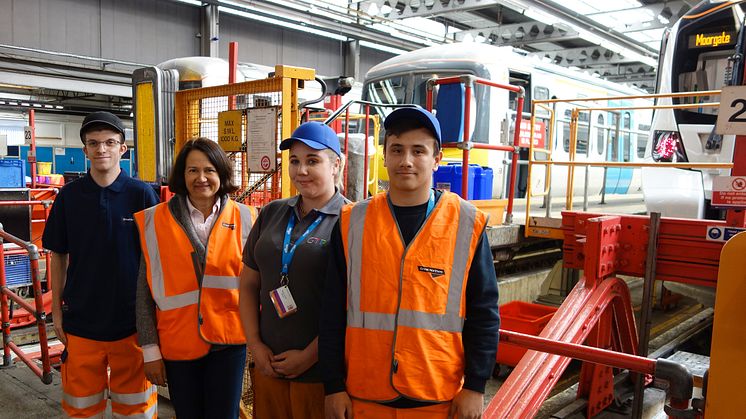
point(602, 136)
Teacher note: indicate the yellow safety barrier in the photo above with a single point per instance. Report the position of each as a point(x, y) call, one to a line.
point(196, 115)
point(727, 362)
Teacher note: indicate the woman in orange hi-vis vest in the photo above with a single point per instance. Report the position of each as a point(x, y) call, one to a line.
point(187, 303)
point(281, 283)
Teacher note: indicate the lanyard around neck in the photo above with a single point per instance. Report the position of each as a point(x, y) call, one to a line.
point(430, 203)
point(288, 251)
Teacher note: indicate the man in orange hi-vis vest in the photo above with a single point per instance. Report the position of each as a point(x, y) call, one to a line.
point(410, 321)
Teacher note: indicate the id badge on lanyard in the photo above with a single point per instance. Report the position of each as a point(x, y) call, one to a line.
point(281, 297)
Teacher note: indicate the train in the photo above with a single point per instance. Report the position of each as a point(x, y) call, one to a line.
point(602, 136)
point(703, 51)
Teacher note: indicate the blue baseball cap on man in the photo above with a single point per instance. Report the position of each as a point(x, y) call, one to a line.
point(314, 134)
point(426, 118)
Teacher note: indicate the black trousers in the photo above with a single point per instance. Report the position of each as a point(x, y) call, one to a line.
point(209, 387)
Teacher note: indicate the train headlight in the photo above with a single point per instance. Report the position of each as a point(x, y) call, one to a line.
point(668, 147)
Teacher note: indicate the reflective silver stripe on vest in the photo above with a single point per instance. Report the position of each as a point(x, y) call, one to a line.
point(410, 318)
point(83, 402)
point(466, 220)
point(156, 270)
point(148, 414)
point(245, 223)
point(133, 398)
point(354, 264)
point(220, 282)
point(451, 321)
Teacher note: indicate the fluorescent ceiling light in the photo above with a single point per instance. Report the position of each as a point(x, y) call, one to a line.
point(281, 23)
point(192, 2)
point(383, 48)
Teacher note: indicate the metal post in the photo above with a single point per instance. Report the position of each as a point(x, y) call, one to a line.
point(466, 141)
point(40, 315)
point(514, 157)
point(31, 157)
point(647, 305)
point(347, 146)
point(603, 188)
point(4, 307)
point(365, 161)
point(585, 190)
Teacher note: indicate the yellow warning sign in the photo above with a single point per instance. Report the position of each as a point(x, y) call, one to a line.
point(229, 130)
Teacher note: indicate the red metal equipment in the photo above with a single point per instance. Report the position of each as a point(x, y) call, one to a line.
point(468, 81)
point(45, 372)
point(598, 310)
point(680, 380)
point(31, 157)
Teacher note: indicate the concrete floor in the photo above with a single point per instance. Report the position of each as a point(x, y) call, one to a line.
point(23, 395)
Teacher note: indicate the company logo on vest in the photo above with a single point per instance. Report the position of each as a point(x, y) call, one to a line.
point(434, 272)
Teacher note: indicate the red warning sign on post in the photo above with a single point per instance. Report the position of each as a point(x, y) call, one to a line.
point(524, 137)
point(729, 191)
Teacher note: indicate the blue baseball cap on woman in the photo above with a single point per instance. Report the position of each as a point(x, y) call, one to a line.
point(314, 134)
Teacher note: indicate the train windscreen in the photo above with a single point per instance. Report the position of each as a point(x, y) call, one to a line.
point(703, 61)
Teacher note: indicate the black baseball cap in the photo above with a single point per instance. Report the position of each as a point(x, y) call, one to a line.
point(426, 118)
point(101, 118)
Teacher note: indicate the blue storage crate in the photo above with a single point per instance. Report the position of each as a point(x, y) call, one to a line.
point(483, 183)
point(449, 178)
point(17, 271)
point(12, 173)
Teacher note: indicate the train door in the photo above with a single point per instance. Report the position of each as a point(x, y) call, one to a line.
point(524, 80)
point(619, 149)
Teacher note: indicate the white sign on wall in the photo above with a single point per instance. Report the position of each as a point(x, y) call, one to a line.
point(261, 139)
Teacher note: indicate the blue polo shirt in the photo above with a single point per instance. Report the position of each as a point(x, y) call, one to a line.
point(95, 227)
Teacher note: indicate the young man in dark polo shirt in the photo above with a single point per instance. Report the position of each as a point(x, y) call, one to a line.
point(95, 260)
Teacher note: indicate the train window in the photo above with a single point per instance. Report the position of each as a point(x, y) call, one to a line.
point(711, 73)
point(613, 130)
point(582, 135)
point(626, 135)
point(600, 134)
point(566, 130)
point(642, 139)
point(388, 91)
point(541, 93)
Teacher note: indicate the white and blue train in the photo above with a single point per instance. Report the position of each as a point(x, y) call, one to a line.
point(602, 135)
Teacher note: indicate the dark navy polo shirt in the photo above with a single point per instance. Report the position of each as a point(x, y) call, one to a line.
point(95, 227)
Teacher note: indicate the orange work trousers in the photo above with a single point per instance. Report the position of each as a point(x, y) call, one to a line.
point(92, 367)
point(276, 398)
point(370, 410)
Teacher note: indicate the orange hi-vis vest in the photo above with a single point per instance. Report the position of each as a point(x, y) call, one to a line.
point(406, 306)
point(195, 309)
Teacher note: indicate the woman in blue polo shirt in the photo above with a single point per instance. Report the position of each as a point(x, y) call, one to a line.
point(285, 261)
